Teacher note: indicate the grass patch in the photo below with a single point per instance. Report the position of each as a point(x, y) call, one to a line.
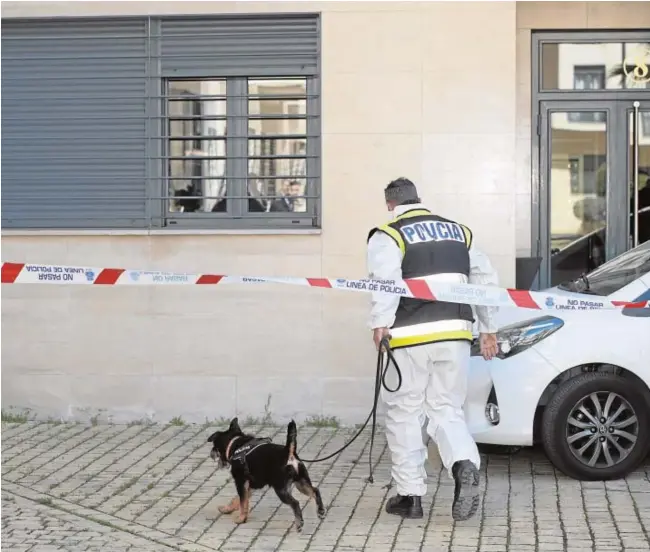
point(177, 421)
point(268, 416)
point(221, 421)
point(140, 422)
point(14, 418)
point(104, 523)
point(265, 420)
point(45, 501)
point(126, 485)
point(322, 421)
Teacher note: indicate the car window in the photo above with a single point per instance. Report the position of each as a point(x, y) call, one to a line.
point(615, 274)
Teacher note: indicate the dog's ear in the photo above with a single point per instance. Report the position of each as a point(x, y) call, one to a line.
point(213, 437)
point(234, 425)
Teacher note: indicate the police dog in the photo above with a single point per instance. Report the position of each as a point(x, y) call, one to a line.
point(256, 463)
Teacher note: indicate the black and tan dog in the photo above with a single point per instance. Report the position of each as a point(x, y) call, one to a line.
point(256, 463)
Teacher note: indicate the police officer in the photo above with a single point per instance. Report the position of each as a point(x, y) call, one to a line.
point(431, 343)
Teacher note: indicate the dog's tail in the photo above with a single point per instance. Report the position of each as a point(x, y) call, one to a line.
point(292, 436)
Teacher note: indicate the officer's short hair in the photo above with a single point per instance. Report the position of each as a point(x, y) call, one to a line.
point(401, 191)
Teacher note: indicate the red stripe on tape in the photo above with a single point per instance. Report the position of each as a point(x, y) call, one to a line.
point(319, 282)
point(108, 276)
point(10, 272)
point(523, 298)
point(209, 279)
point(420, 289)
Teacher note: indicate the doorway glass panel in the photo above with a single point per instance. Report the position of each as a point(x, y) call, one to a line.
point(643, 171)
point(577, 192)
point(595, 66)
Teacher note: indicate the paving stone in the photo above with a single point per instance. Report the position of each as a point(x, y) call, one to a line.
point(153, 488)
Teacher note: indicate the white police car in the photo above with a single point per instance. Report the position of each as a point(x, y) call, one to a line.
point(576, 381)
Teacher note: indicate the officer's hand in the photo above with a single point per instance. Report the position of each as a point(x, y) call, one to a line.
point(489, 345)
point(378, 334)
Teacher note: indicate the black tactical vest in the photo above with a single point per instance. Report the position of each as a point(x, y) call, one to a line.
point(430, 245)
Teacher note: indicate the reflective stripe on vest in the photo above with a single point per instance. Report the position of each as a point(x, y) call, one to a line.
point(430, 332)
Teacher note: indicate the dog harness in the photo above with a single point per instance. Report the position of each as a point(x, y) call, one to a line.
point(240, 453)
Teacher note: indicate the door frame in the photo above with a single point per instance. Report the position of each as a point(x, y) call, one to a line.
point(628, 109)
point(616, 198)
point(587, 99)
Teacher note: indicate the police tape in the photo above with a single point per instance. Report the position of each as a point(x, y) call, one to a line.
point(471, 294)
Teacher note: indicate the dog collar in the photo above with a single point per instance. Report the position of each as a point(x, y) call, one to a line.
point(230, 446)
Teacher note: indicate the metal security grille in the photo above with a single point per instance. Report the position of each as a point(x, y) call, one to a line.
point(103, 121)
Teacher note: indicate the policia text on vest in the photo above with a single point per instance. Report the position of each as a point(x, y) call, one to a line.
point(435, 248)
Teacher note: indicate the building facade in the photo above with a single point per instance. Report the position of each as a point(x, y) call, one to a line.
point(256, 139)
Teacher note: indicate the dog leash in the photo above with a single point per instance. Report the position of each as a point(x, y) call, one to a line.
point(380, 381)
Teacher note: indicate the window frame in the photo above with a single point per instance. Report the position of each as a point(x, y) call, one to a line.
point(237, 163)
point(580, 162)
point(594, 70)
point(158, 48)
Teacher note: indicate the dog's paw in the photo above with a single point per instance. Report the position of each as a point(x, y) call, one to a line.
point(230, 507)
point(321, 513)
point(298, 524)
point(240, 519)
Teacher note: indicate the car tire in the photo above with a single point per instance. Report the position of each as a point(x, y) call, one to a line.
point(564, 418)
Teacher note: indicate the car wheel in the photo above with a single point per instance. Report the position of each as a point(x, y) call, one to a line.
point(595, 427)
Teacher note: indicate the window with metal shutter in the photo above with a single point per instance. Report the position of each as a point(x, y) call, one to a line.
point(85, 137)
point(74, 123)
point(231, 46)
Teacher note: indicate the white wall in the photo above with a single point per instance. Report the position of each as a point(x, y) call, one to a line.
point(423, 90)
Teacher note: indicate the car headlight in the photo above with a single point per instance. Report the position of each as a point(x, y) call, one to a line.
point(515, 338)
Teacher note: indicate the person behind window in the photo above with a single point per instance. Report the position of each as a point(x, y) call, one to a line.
point(295, 193)
point(221, 205)
point(254, 204)
point(287, 202)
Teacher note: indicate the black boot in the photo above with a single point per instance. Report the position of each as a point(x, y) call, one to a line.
point(406, 506)
point(466, 498)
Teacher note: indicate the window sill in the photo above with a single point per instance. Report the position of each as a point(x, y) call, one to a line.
point(160, 232)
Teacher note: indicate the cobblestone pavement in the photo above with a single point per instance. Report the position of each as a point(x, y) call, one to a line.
point(153, 488)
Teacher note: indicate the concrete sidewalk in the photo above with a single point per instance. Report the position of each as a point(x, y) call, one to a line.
point(153, 488)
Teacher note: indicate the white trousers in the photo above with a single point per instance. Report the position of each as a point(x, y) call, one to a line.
point(434, 385)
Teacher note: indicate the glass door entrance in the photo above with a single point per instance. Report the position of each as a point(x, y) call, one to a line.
point(638, 165)
point(594, 200)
